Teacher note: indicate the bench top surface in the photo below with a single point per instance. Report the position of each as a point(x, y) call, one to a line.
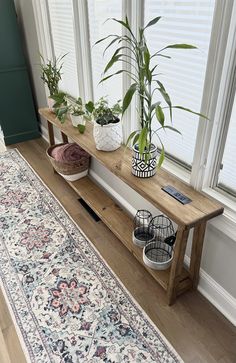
point(201, 208)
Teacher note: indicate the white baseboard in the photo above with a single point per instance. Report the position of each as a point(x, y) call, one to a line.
point(216, 294)
point(208, 287)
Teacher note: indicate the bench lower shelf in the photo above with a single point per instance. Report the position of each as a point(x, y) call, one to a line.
point(121, 224)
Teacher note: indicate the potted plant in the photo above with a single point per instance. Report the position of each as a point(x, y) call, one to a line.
point(107, 129)
point(51, 75)
point(80, 113)
point(145, 83)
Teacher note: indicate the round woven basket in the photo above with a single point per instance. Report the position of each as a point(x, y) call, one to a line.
point(69, 168)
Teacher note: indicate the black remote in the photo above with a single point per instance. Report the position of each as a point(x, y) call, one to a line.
point(176, 194)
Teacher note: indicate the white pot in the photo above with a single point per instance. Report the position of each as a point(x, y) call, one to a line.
point(77, 120)
point(107, 137)
point(50, 104)
point(144, 168)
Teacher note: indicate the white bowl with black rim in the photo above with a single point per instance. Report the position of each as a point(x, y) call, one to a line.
point(158, 255)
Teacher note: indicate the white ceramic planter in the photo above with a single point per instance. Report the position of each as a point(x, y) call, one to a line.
point(77, 120)
point(107, 137)
point(50, 104)
point(143, 169)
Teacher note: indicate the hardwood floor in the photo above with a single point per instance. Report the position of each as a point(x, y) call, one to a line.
point(198, 332)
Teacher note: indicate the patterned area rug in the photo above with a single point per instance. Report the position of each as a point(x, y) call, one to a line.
point(66, 304)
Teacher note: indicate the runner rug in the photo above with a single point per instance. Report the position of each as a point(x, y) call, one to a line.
point(66, 303)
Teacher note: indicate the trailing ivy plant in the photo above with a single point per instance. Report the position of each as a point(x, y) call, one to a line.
point(145, 83)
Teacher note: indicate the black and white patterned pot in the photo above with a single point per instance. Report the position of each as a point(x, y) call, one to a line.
point(143, 169)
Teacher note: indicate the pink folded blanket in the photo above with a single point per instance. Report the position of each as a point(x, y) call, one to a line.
point(68, 152)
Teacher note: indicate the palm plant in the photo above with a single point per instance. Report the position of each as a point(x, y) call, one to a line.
point(145, 83)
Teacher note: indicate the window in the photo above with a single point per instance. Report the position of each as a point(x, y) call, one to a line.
point(61, 21)
point(99, 12)
point(227, 174)
point(183, 75)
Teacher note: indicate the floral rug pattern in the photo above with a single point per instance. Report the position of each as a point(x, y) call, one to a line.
point(67, 305)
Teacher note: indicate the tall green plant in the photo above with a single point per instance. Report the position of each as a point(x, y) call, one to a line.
point(145, 82)
point(51, 73)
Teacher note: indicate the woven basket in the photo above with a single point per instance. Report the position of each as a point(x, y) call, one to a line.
point(68, 168)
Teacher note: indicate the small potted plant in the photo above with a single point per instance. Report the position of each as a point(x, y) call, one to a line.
point(146, 84)
point(80, 113)
point(107, 129)
point(51, 75)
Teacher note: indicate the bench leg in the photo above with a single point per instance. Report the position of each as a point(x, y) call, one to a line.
point(177, 264)
point(196, 253)
point(51, 134)
point(64, 137)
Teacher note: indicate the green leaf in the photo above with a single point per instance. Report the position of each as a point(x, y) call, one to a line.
point(142, 141)
point(162, 157)
point(111, 75)
point(81, 128)
point(89, 106)
point(112, 42)
point(113, 60)
point(131, 136)
point(172, 128)
point(181, 46)
point(102, 39)
point(188, 110)
point(146, 57)
point(135, 139)
point(154, 105)
point(165, 96)
point(153, 21)
point(125, 24)
point(128, 97)
point(160, 115)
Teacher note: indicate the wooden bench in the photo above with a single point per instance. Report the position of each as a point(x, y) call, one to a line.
point(177, 279)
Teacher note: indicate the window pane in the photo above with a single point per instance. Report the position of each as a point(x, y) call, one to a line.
point(99, 12)
point(61, 18)
point(183, 75)
point(227, 176)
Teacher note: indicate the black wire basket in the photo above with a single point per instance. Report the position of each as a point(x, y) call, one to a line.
point(158, 253)
point(142, 234)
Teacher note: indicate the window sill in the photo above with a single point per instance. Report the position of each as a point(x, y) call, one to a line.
point(176, 170)
point(225, 223)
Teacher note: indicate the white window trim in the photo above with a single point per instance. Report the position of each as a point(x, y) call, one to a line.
point(42, 23)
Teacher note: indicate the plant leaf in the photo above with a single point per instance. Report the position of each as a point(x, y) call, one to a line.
point(130, 137)
point(111, 75)
point(89, 106)
point(166, 97)
point(142, 140)
point(153, 21)
point(135, 139)
point(181, 46)
point(113, 60)
point(172, 128)
point(161, 157)
point(188, 110)
point(81, 128)
point(160, 115)
point(102, 39)
point(128, 97)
